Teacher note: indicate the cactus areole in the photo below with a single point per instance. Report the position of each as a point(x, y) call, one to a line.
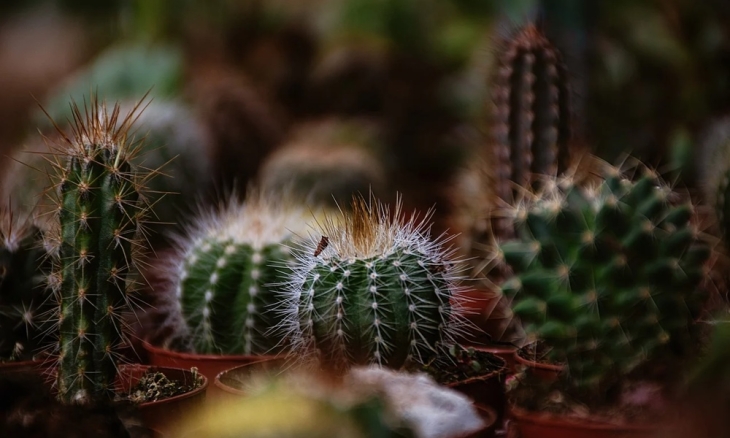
point(372, 289)
point(99, 210)
point(607, 274)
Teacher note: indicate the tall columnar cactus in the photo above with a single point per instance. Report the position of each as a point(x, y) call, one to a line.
point(531, 127)
point(607, 274)
point(228, 270)
point(25, 301)
point(99, 211)
point(372, 288)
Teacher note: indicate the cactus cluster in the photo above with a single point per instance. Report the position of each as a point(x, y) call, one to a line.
point(25, 301)
point(97, 234)
point(372, 289)
point(227, 272)
point(606, 274)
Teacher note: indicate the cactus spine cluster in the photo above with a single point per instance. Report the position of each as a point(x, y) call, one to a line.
point(372, 289)
point(99, 212)
point(607, 274)
point(227, 272)
point(531, 112)
point(25, 301)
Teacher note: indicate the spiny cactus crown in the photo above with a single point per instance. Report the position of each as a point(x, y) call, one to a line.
point(25, 302)
point(228, 265)
point(607, 275)
point(372, 288)
point(97, 235)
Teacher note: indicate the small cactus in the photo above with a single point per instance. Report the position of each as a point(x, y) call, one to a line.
point(531, 127)
point(97, 234)
point(226, 270)
point(607, 274)
point(25, 302)
point(372, 289)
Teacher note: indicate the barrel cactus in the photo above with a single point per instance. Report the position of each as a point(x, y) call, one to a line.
point(95, 239)
point(606, 274)
point(372, 288)
point(230, 264)
point(25, 301)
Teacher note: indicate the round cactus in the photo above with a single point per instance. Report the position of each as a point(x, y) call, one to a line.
point(606, 274)
point(226, 272)
point(372, 289)
point(25, 302)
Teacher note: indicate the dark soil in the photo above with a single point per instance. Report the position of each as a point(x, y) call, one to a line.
point(462, 364)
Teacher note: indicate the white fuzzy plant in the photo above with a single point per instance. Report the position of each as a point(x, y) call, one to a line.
point(371, 287)
point(227, 262)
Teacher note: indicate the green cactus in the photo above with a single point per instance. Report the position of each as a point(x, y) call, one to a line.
point(226, 276)
point(99, 213)
point(372, 289)
point(531, 127)
point(25, 301)
point(606, 274)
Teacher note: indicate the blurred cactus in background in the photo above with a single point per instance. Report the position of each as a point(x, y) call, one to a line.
point(326, 162)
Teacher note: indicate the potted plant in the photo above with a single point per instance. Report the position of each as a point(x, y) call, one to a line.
point(221, 281)
point(94, 243)
point(606, 276)
point(25, 301)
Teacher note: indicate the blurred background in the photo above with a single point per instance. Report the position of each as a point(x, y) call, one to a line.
point(402, 85)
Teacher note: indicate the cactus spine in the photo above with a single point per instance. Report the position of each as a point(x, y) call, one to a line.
point(531, 112)
point(99, 213)
point(226, 274)
point(25, 302)
point(372, 289)
point(607, 274)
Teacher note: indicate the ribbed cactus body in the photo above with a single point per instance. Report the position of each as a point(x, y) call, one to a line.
point(531, 114)
point(606, 274)
point(227, 298)
point(372, 290)
point(231, 263)
point(99, 212)
point(25, 301)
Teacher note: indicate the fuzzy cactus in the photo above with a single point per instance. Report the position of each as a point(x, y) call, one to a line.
point(606, 274)
point(97, 234)
point(372, 289)
point(531, 127)
point(226, 272)
point(25, 301)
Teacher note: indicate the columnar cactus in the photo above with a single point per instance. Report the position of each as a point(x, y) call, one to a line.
point(99, 212)
point(372, 289)
point(229, 267)
point(25, 301)
point(606, 274)
point(531, 127)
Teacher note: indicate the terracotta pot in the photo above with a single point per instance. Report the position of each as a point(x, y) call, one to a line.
point(228, 381)
point(208, 365)
point(487, 391)
point(545, 371)
point(22, 367)
point(504, 352)
point(543, 425)
point(161, 416)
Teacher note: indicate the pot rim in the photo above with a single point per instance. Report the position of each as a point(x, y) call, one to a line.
point(558, 368)
point(553, 420)
point(496, 373)
point(154, 349)
point(230, 389)
point(147, 368)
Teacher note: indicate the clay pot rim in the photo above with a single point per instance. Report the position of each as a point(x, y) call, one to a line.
point(154, 368)
point(230, 389)
point(502, 370)
point(558, 368)
point(202, 357)
point(565, 422)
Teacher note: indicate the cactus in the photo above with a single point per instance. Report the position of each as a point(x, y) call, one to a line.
point(326, 161)
point(715, 170)
point(226, 270)
point(25, 302)
point(607, 274)
point(99, 213)
point(372, 289)
point(531, 112)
